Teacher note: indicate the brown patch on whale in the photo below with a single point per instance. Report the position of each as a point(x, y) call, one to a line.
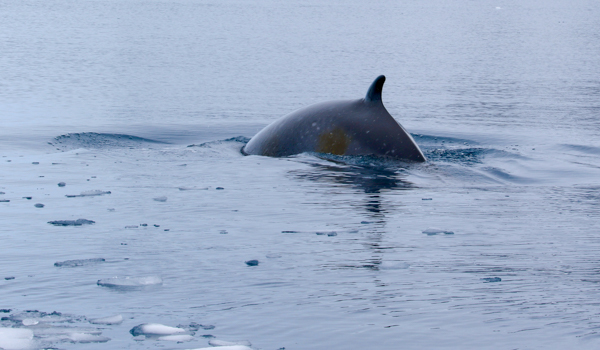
point(335, 141)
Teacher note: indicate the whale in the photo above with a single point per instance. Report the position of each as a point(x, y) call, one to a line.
point(360, 127)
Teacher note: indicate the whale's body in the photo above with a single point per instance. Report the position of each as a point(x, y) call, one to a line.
point(348, 127)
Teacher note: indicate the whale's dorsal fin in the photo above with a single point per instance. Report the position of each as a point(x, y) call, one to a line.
point(374, 93)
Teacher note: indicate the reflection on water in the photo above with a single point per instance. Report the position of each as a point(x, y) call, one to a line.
point(371, 179)
point(368, 175)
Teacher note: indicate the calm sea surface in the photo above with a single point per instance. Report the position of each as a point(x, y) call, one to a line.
point(141, 108)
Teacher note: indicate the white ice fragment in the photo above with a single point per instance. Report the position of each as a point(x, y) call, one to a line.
point(108, 320)
point(434, 231)
point(217, 342)
point(88, 194)
point(16, 339)
point(194, 188)
point(160, 199)
point(177, 337)
point(154, 329)
point(87, 338)
point(30, 322)
point(48, 331)
point(125, 283)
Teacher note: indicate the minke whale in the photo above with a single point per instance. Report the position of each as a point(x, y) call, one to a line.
point(347, 127)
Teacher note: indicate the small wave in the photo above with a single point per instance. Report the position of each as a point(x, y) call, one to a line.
point(92, 140)
point(210, 144)
point(433, 139)
point(457, 155)
point(583, 149)
point(506, 177)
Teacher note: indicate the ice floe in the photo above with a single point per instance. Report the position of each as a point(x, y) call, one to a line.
point(176, 337)
point(79, 262)
point(16, 339)
point(41, 317)
point(196, 326)
point(33, 329)
point(218, 342)
point(155, 329)
point(130, 283)
point(86, 338)
point(30, 322)
point(435, 231)
point(88, 194)
point(77, 222)
point(117, 319)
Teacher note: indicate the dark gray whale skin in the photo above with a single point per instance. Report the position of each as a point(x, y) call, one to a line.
point(348, 127)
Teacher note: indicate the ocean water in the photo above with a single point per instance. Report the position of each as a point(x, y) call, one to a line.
point(141, 107)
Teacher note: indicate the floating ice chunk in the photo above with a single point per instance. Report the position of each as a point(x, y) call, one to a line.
point(87, 338)
point(155, 329)
point(130, 283)
point(177, 337)
point(41, 316)
point(435, 231)
point(394, 265)
point(62, 333)
point(16, 339)
point(79, 262)
point(194, 327)
point(88, 194)
point(230, 347)
point(217, 342)
point(192, 188)
point(77, 222)
point(30, 322)
point(117, 319)
point(160, 199)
